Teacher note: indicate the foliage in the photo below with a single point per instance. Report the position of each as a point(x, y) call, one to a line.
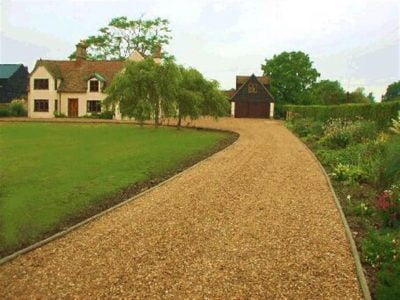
point(392, 91)
point(337, 133)
point(390, 166)
point(4, 112)
point(121, 36)
point(17, 108)
point(388, 204)
point(396, 124)
point(144, 90)
point(358, 96)
point(380, 113)
point(59, 115)
point(292, 75)
point(148, 90)
point(381, 247)
point(40, 191)
point(350, 174)
point(389, 281)
point(327, 92)
point(305, 127)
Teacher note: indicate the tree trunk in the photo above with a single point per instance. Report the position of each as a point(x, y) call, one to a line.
point(157, 114)
point(179, 121)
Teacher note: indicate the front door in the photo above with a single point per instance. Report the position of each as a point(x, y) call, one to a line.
point(73, 108)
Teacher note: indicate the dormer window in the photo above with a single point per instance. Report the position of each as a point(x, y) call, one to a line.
point(41, 84)
point(252, 88)
point(94, 86)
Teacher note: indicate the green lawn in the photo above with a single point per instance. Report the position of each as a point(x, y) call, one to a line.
point(50, 173)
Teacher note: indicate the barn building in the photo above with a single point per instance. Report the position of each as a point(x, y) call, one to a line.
point(252, 99)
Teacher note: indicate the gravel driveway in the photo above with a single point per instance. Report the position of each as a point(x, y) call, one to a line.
point(257, 220)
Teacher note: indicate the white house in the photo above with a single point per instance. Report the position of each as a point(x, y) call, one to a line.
point(72, 87)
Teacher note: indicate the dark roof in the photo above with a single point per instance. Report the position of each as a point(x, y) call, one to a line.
point(75, 74)
point(262, 79)
point(259, 79)
point(7, 70)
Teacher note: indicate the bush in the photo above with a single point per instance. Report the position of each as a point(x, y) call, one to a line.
point(59, 115)
point(17, 109)
point(348, 173)
point(337, 133)
point(106, 114)
point(305, 127)
point(390, 167)
point(388, 204)
point(4, 112)
point(379, 248)
point(389, 282)
point(381, 113)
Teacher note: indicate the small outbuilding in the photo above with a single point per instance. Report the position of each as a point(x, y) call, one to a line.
point(13, 82)
point(252, 99)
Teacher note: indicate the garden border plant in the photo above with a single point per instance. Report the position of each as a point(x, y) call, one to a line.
point(363, 162)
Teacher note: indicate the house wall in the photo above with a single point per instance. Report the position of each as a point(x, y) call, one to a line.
point(51, 94)
point(82, 101)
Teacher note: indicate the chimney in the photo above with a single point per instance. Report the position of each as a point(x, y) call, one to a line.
point(157, 52)
point(81, 51)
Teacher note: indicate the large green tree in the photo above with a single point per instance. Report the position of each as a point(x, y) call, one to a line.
point(358, 96)
point(327, 92)
point(392, 92)
point(145, 89)
point(292, 74)
point(121, 36)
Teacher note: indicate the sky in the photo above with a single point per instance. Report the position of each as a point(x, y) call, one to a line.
point(353, 41)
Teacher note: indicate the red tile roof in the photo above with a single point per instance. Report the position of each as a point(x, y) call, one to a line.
point(75, 74)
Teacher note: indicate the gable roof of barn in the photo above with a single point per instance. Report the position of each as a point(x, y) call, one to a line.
point(260, 79)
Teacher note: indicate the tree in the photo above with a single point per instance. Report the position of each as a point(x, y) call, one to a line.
point(358, 96)
point(199, 97)
point(121, 36)
point(327, 92)
point(292, 74)
point(145, 89)
point(392, 92)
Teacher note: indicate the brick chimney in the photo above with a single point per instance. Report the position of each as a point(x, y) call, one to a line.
point(157, 54)
point(81, 51)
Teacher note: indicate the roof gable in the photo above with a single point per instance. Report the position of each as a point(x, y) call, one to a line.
point(7, 70)
point(262, 94)
point(75, 74)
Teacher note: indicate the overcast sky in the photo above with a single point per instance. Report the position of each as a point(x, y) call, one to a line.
point(353, 41)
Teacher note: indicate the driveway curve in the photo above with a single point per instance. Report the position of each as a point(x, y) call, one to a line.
point(256, 220)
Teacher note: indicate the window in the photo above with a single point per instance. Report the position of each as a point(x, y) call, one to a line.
point(94, 86)
point(93, 106)
point(41, 84)
point(41, 105)
point(252, 88)
point(55, 84)
point(56, 105)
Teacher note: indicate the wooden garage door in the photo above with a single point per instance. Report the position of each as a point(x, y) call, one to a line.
point(251, 109)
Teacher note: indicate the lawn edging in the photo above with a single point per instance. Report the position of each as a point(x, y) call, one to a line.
point(359, 269)
point(62, 233)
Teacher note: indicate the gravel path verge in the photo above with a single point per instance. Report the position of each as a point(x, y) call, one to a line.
point(255, 221)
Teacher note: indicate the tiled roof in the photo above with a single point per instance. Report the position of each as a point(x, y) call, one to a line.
point(74, 74)
point(262, 79)
point(7, 70)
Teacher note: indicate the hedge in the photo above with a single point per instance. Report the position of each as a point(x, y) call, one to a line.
point(381, 113)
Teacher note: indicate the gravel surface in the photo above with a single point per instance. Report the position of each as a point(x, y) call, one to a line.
point(257, 220)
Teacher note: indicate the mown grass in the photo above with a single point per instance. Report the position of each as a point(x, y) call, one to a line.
point(50, 173)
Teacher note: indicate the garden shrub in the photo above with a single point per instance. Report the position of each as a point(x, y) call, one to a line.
point(389, 282)
point(379, 248)
point(17, 109)
point(305, 127)
point(349, 173)
point(388, 205)
point(381, 113)
point(4, 112)
point(337, 133)
point(107, 114)
point(390, 167)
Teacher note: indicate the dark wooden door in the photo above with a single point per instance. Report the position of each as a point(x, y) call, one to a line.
point(73, 108)
point(251, 109)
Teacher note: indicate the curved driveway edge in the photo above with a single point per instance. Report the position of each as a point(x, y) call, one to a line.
point(256, 220)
